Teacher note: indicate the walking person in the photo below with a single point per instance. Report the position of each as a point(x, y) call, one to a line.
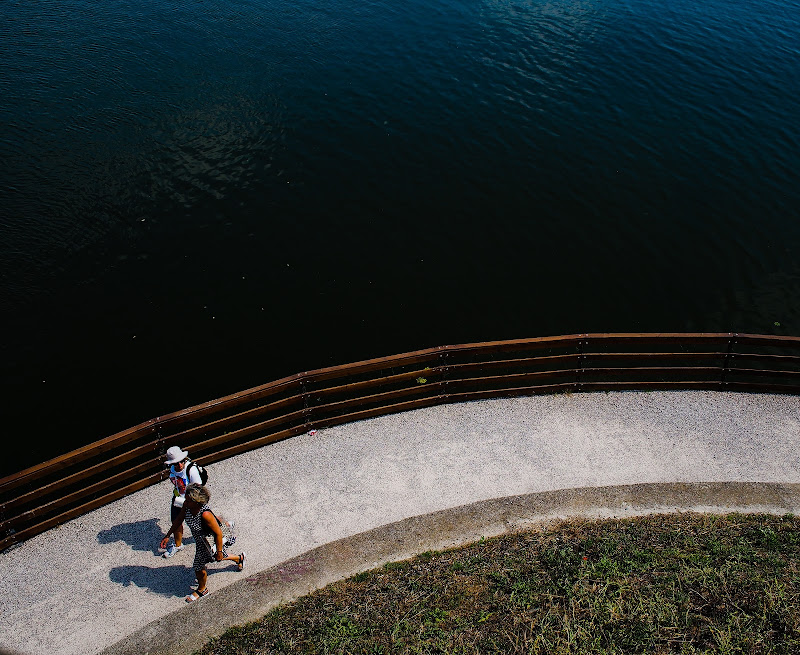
point(203, 523)
point(182, 473)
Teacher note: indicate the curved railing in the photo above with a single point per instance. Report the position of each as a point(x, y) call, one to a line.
point(73, 484)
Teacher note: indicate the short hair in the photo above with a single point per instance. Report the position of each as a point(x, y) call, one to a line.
point(198, 493)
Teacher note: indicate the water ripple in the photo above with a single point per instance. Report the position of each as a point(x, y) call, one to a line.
point(566, 165)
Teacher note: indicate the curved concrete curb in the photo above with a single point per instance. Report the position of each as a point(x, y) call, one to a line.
point(189, 628)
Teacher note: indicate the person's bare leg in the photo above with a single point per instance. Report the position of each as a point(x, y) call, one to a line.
point(179, 536)
point(202, 579)
point(239, 559)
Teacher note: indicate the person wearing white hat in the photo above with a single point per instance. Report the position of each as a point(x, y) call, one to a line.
point(181, 474)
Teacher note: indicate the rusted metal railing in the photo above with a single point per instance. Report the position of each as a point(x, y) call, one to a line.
point(73, 484)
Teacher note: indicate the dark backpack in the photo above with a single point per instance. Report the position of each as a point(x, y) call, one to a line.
point(201, 470)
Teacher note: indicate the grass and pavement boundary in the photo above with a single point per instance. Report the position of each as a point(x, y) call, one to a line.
point(190, 628)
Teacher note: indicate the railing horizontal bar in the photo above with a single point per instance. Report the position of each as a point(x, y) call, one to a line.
point(118, 480)
point(75, 456)
point(510, 363)
point(573, 372)
point(264, 426)
point(251, 445)
point(764, 372)
point(659, 337)
point(576, 357)
point(767, 340)
point(198, 411)
point(697, 384)
point(405, 406)
point(427, 389)
point(567, 374)
point(651, 355)
point(515, 345)
point(527, 390)
point(376, 382)
point(360, 386)
point(38, 528)
point(305, 415)
point(434, 372)
point(531, 374)
point(297, 415)
point(787, 359)
point(652, 369)
point(187, 437)
point(227, 403)
point(76, 478)
point(381, 363)
point(761, 387)
point(601, 337)
point(572, 387)
point(648, 384)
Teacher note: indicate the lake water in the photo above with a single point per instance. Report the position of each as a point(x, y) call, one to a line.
point(197, 197)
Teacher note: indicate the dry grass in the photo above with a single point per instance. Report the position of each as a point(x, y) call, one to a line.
point(661, 584)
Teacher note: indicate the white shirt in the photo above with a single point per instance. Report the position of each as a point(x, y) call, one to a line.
point(180, 480)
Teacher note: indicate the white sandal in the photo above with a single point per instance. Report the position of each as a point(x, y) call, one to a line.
point(197, 595)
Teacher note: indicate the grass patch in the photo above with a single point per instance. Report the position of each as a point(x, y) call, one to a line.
point(683, 583)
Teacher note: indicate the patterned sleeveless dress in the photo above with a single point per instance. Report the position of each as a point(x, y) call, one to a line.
point(202, 552)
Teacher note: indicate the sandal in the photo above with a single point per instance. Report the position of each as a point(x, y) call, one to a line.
point(240, 565)
point(197, 595)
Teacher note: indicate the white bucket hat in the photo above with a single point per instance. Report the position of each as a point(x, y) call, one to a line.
point(175, 454)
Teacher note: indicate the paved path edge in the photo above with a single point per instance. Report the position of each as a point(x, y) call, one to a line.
point(191, 626)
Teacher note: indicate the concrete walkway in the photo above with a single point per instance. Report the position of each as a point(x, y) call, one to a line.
point(318, 507)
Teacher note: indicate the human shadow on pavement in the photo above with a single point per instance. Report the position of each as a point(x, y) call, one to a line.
point(140, 535)
point(173, 580)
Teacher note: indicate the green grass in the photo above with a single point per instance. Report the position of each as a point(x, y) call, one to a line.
point(683, 583)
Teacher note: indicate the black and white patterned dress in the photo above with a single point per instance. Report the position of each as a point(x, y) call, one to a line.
point(202, 552)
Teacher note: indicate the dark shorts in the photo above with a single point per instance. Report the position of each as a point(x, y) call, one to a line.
point(173, 512)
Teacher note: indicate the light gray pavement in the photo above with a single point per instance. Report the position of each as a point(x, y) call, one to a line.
point(318, 507)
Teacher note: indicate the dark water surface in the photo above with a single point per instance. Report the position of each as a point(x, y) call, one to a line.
point(197, 197)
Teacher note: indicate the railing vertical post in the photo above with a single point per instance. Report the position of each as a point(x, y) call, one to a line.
point(158, 443)
point(306, 408)
point(9, 538)
point(443, 354)
point(727, 361)
point(581, 361)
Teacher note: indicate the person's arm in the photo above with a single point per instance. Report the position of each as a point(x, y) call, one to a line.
point(213, 527)
point(178, 520)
